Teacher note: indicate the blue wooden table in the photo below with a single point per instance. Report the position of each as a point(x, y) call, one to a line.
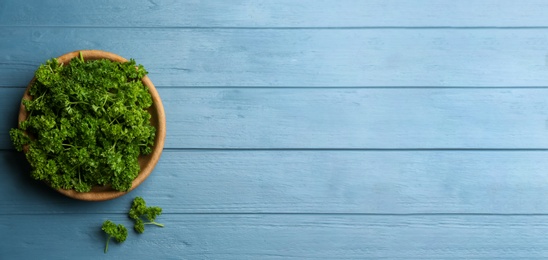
point(303, 129)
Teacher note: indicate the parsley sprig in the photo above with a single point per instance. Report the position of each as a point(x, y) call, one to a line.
point(118, 232)
point(87, 124)
point(140, 211)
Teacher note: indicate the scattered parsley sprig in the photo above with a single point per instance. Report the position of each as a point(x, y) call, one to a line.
point(139, 210)
point(87, 124)
point(118, 232)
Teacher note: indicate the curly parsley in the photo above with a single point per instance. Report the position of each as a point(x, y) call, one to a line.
point(118, 232)
point(87, 124)
point(139, 210)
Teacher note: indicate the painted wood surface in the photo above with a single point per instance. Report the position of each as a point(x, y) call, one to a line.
point(323, 182)
point(332, 118)
point(304, 129)
point(207, 57)
point(280, 13)
point(282, 236)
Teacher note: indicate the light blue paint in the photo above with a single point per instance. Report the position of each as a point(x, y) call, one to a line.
point(304, 129)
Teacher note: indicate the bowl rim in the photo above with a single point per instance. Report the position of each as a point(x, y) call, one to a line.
point(104, 193)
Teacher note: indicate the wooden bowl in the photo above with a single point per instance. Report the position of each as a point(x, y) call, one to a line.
point(146, 162)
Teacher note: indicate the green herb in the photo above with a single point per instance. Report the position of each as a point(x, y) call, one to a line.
point(88, 123)
point(139, 210)
point(118, 232)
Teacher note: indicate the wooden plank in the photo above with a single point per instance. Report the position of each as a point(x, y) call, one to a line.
point(10, 100)
point(332, 118)
point(356, 118)
point(302, 58)
point(280, 237)
point(356, 182)
point(264, 13)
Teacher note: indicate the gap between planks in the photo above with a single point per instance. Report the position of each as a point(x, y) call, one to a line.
point(284, 27)
point(332, 87)
point(303, 214)
point(343, 149)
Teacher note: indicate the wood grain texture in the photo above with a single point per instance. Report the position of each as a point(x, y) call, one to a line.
point(296, 57)
point(281, 237)
point(304, 129)
point(334, 118)
point(266, 13)
point(356, 182)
